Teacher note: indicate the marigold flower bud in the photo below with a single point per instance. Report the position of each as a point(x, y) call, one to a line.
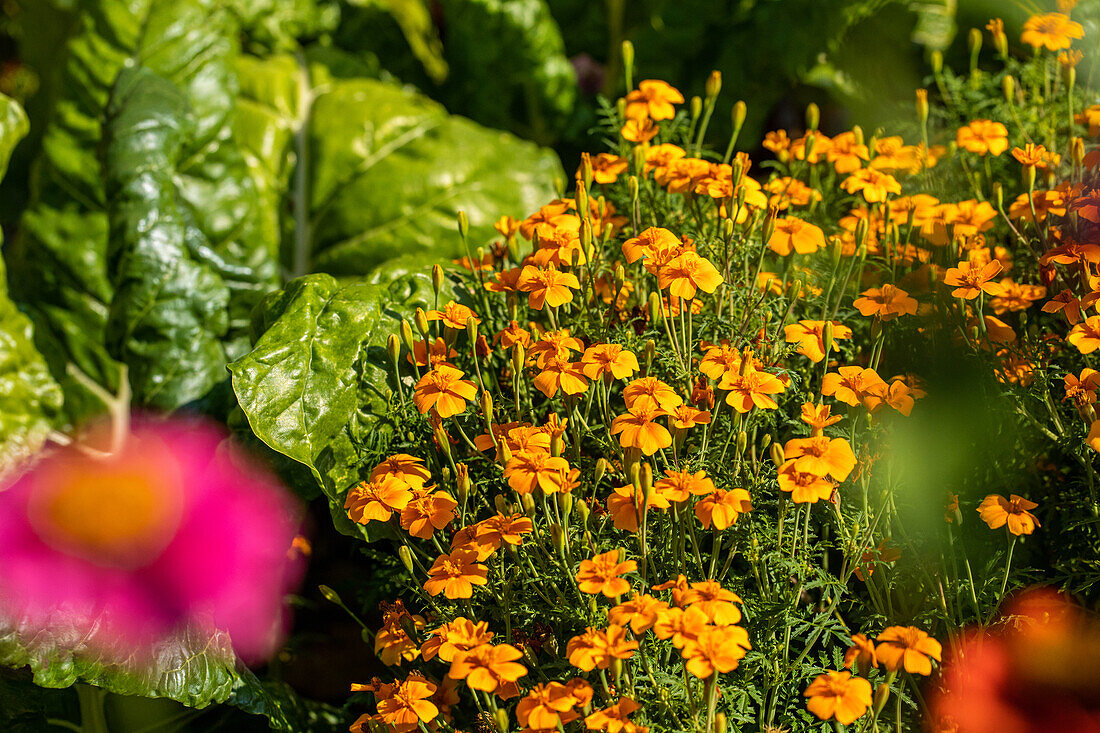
point(769, 222)
point(654, 309)
point(1077, 151)
point(813, 119)
point(471, 327)
point(720, 723)
point(632, 185)
point(601, 469)
point(557, 537)
point(936, 61)
point(647, 480)
point(565, 502)
point(998, 194)
point(582, 199)
point(502, 721)
point(628, 61)
point(696, 107)
point(330, 595)
point(974, 42)
point(519, 356)
point(463, 224)
point(738, 114)
point(407, 335)
point(528, 503)
point(500, 503)
point(557, 445)
point(922, 106)
point(421, 320)
point(882, 694)
point(1008, 86)
point(586, 171)
point(714, 84)
point(443, 440)
point(616, 669)
point(776, 451)
point(742, 442)
point(857, 133)
point(393, 347)
point(650, 353)
point(636, 477)
point(583, 511)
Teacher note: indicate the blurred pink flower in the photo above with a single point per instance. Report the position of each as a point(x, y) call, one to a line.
point(174, 531)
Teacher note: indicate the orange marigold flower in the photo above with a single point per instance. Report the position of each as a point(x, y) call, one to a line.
point(547, 286)
point(683, 626)
point(861, 654)
point(659, 156)
point(601, 574)
point(439, 354)
point(443, 390)
point(639, 429)
point(970, 278)
point(887, 302)
point(822, 456)
point(1086, 336)
point(851, 384)
point(1016, 296)
point(838, 695)
point(713, 600)
point(875, 186)
point(488, 667)
point(794, 235)
point(554, 345)
point(455, 575)
point(751, 389)
point(529, 470)
point(722, 508)
point(595, 648)
point(716, 649)
point(680, 485)
point(401, 467)
point(453, 315)
point(639, 131)
point(1035, 156)
point(983, 137)
point(1053, 31)
point(607, 167)
point(614, 719)
point(409, 705)
point(649, 243)
point(560, 374)
point(908, 648)
point(897, 395)
point(1082, 390)
point(685, 417)
point(507, 226)
point(503, 528)
point(455, 638)
point(513, 335)
point(810, 337)
point(392, 643)
point(818, 417)
point(422, 516)
point(625, 506)
point(506, 281)
point(719, 361)
point(377, 499)
point(846, 154)
point(610, 361)
point(640, 613)
point(650, 392)
point(996, 511)
point(687, 274)
point(549, 705)
point(653, 99)
point(805, 487)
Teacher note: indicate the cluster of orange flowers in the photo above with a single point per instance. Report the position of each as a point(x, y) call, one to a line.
point(585, 416)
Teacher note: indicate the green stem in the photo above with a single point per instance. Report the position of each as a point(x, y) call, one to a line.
point(92, 715)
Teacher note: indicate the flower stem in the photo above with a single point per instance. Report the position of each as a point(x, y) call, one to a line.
point(92, 716)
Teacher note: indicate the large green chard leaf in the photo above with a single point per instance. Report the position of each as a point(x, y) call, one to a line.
point(417, 167)
point(317, 379)
point(372, 170)
point(191, 668)
point(59, 266)
point(30, 400)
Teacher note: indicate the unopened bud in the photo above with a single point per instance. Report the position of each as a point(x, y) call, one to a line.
point(616, 669)
point(471, 327)
point(738, 114)
point(696, 107)
point(650, 353)
point(776, 451)
point(974, 42)
point(632, 185)
point(714, 84)
point(857, 133)
point(463, 224)
point(557, 444)
point(501, 504)
point(654, 308)
point(813, 117)
point(502, 721)
point(998, 195)
point(583, 511)
point(646, 479)
point(528, 503)
point(557, 536)
point(636, 477)
point(742, 442)
point(922, 106)
point(519, 356)
point(769, 222)
point(330, 595)
point(1008, 86)
point(601, 470)
point(720, 723)
point(765, 441)
point(421, 320)
point(827, 336)
point(1077, 151)
point(407, 335)
point(882, 694)
point(487, 405)
point(586, 171)
point(582, 199)
point(393, 347)
point(936, 60)
point(628, 59)
point(565, 502)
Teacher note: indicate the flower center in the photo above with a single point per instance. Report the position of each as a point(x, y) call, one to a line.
point(120, 512)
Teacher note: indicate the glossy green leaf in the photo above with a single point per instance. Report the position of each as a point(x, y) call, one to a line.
point(391, 170)
point(30, 400)
point(318, 378)
point(60, 264)
point(191, 668)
